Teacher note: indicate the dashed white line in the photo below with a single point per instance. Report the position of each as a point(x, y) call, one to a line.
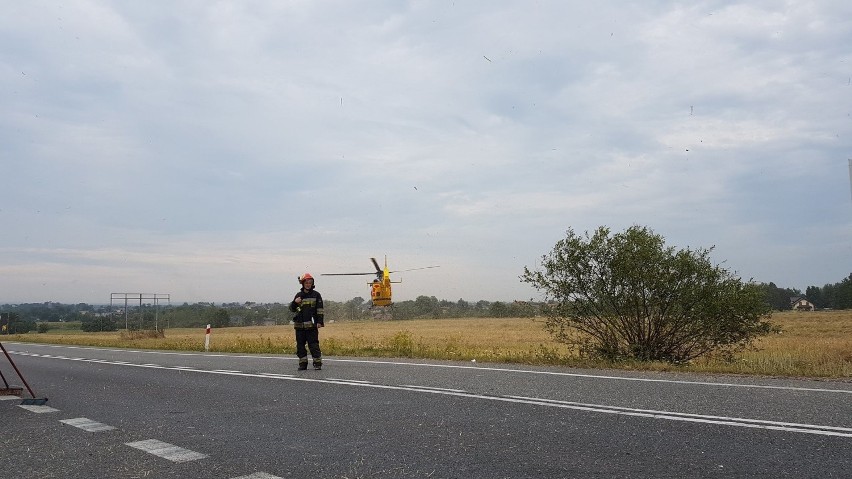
point(166, 451)
point(668, 415)
point(9, 398)
point(37, 409)
point(87, 424)
point(258, 475)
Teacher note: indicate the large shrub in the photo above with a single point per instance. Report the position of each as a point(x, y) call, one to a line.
point(628, 295)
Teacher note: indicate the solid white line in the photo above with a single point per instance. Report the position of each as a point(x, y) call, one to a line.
point(87, 424)
point(596, 376)
point(697, 417)
point(270, 375)
point(430, 388)
point(166, 451)
point(809, 429)
point(346, 381)
point(455, 366)
point(10, 398)
point(674, 416)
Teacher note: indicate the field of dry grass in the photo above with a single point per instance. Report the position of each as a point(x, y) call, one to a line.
point(810, 344)
point(817, 344)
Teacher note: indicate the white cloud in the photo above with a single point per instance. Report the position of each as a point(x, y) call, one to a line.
point(219, 149)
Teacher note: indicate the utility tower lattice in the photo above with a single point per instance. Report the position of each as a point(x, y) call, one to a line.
point(155, 297)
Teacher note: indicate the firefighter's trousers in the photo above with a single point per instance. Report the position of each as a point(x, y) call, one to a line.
point(309, 336)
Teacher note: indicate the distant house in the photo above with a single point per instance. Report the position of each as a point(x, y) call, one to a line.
point(801, 304)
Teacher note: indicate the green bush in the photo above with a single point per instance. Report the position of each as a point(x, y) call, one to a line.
point(99, 324)
point(628, 296)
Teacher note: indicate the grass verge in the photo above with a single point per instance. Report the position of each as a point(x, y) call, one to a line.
point(810, 344)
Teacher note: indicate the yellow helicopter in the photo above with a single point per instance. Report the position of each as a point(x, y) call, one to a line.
point(380, 287)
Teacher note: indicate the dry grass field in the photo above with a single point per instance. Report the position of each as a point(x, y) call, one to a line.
point(810, 344)
point(814, 344)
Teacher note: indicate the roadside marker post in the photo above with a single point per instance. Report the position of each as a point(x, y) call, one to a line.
point(207, 340)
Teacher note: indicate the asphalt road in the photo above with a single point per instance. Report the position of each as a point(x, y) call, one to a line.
point(148, 414)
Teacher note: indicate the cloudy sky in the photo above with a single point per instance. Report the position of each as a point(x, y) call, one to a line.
point(213, 151)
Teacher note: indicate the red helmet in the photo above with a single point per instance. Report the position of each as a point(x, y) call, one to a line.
point(305, 276)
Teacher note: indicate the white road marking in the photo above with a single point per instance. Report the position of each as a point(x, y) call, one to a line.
point(166, 451)
point(259, 475)
point(433, 388)
point(37, 409)
point(454, 366)
point(596, 376)
point(10, 398)
point(87, 424)
point(679, 416)
point(271, 375)
point(668, 415)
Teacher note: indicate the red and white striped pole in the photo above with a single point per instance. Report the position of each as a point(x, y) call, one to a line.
point(207, 339)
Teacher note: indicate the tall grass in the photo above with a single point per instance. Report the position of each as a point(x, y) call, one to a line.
point(810, 344)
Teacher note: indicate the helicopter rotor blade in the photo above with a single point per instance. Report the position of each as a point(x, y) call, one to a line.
point(378, 271)
point(346, 274)
point(413, 269)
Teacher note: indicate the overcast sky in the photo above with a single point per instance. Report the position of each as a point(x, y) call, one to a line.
point(213, 151)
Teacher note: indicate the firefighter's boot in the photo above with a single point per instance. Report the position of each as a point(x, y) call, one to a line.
point(303, 364)
point(317, 364)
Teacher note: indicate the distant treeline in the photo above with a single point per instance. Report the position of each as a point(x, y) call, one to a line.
point(830, 296)
point(22, 318)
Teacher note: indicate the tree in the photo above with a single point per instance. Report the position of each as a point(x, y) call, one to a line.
point(218, 317)
point(99, 324)
point(499, 309)
point(627, 295)
point(779, 298)
point(427, 306)
point(844, 293)
point(814, 295)
point(833, 296)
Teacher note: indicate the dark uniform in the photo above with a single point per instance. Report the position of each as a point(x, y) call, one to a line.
point(309, 316)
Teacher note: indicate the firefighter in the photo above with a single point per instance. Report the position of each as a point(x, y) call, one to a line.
point(309, 317)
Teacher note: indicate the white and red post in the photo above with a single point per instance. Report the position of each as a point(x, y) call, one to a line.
point(207, 339)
